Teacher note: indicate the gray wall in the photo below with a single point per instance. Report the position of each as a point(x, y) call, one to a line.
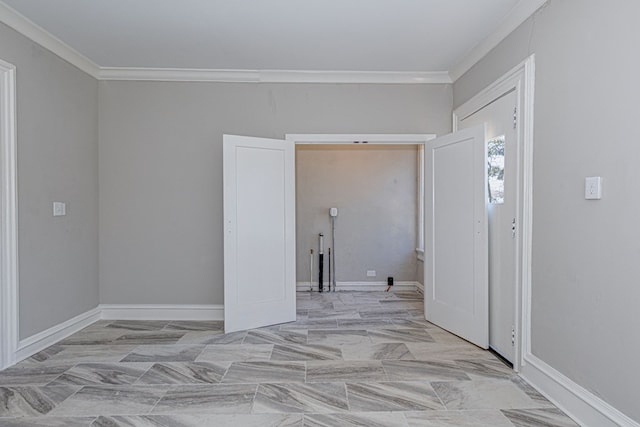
point(585, 253)
point(161, 168)
point(57, 161)
point(374, 189)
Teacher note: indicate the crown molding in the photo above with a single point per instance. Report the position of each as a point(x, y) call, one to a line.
point(177, 75)
point(45, 39)
point(375, 77)
point(520, 13)
point(271, 76)
point(39, 35)
point(523, 10)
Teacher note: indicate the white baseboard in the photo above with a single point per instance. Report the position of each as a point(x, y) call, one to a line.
point(420, 287)
point(29, 346)
point(577, 402)
point(162, 311)
point(38, 342)
point(359, 286)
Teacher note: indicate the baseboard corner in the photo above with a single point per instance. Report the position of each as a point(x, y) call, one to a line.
point(27, 347)
point(580, 404)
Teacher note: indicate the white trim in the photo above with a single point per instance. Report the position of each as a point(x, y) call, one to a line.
point(523, 322)
point(371, 77)
point(38, 342)
point(578, 403)
point(271, 76)
point(29, 29)
point(521, 79)
point(361, 286)
point(520, 13)
point(420, 288)
point(178, 75)
point(421, 205)
point(352, 138)
point(8, 217)
point(162, 311)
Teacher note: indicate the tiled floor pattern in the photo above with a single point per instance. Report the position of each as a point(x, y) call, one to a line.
point(351, 359)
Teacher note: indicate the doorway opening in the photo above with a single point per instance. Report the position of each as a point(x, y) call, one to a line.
point(398, 146)
point(373, 237)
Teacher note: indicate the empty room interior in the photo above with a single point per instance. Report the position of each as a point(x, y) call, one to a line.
point(374, 190)
point(319, 213)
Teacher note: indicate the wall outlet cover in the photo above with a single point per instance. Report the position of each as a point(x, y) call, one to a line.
point(593, 188)
point(59, 209)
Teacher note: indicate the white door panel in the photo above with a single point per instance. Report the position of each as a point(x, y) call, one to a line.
point(498, 119)
point(451, 208)
point(456, 295)
point(259, 239)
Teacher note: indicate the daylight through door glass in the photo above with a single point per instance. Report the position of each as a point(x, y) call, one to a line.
point(495, 168)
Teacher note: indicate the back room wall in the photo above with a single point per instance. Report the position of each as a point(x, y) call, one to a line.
point(161, 238)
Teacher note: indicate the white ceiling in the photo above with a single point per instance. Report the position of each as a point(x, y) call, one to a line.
point(320, 35)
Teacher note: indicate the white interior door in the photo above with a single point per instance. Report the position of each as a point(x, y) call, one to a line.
point(501, 136)
point(259, 232)
point(456, 283)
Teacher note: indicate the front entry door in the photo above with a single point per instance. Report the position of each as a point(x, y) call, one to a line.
point(259, 232)
point(456, 283)
point(501, 137)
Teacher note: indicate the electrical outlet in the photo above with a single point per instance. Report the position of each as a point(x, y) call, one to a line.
point(59, 209)
point(593, 188)
point(371, 273)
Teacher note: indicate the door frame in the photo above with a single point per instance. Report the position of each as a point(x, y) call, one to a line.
point(9, 217)
point(359, 138)
point(520, 79)
point(418, 139)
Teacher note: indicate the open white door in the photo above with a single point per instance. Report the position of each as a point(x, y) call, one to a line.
point(502, 210)
point(259, 232)
point(456, 245)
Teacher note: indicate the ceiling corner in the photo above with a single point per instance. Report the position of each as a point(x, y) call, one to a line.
point(34, 32)
point(520, 13)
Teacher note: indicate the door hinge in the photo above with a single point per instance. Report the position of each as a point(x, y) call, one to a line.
point(513, 336)
point(513, 228)
point(515, 117)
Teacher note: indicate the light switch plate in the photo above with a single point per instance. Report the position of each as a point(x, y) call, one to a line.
point(59, 209)
point(593, 188)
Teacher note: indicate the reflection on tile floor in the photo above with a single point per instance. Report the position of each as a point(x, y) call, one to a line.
point(351, 359)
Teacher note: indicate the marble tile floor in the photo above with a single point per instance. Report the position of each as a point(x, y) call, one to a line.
point(351, 359)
